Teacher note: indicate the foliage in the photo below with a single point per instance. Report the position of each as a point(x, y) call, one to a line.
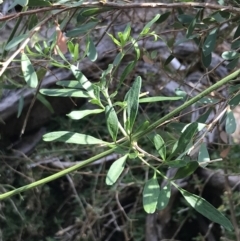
point(124, 129)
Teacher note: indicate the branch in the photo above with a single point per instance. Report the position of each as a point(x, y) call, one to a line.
point(126, 6)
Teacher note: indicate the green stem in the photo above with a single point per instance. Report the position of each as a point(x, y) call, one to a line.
point(136, 136)
point(56, 175)
point(187, 104)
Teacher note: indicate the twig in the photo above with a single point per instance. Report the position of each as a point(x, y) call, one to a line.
point(126, 6)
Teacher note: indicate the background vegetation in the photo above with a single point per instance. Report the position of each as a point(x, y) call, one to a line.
point(137, 106)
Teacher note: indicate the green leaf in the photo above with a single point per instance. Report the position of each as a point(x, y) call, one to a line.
point(112, 122)
point(39, 3)
point(233, 88)
point(70, 84)
point(203, 155)
point(229, 55)
point(132, 98)
point(200, 126)
point(185, 19)
point(169, 59)
point(16, 2)
point(15, 41)
point(177, 163)
point(206, 209)
point(106, 75)
point(181, 93)
point(151, 193)
point(158, 98)
point(163, 17)
point(79, 114)
point(116, 170)
point(126, 33)
point(86, 84)
point(235, 101)
point(136, 48)
point(94, 11)
point(45, 102)
point(232, 64)
point(114, 40)
point(185, 138)
point(32, 22)
point(142, 127)
point(149, 25)
point(29, 73)
point(164, 196)
point(71, 137)
point(186, 171)
point(231, 124)
point(92, 52)
point(160, 146)
point(191, 27)
point(76, 52)
point(118, 59)
point(128, 69)
point(206, 60)
point(20, 106)
point(81, 30)
point(235, 44)
point(209, 44)
point(203, 118)
point(65, 93)
point(237, 32)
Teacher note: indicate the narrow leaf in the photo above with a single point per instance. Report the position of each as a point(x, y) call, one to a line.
point(112, 122)
point(126, 33)
point(185, 138)
point(86, 84)
point(209, 44)
point(45, 102)
point(232, 64)
point(206, 209)
point(132, 98)
point(81, 30)
point(206, 60)
point(92, 52)
point(116, 170)
point(118, 59)
point(158, 98)
point(164, 196)
point(177, 163)
point(235, 101)
point(186, 171)
point(29, 73)
point(169, 60)
point(160, 146)
point(39, 3)
point(203, 155)
point(191, 28)
point(151, 193)
point(128, 69)
point(71, 137)
point(20, 106)
point(93, 11)
point(65, 93)
point(70, 84)
point(231, 124)
point(79, 114)
point(15, 41)
point(143, 127)
point(163, 17)
point(149, 25)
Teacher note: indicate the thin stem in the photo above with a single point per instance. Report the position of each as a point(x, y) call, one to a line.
point(56, 175)
point(187, 104)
